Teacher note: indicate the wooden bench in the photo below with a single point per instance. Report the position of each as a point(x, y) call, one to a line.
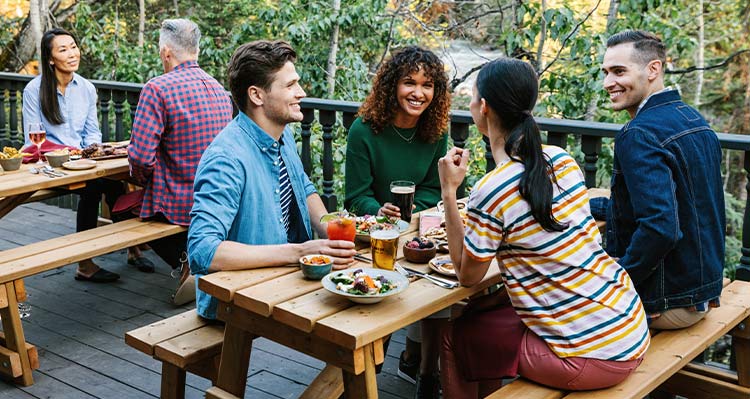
point(182, 343)
point(667, 367)
point(28, 260)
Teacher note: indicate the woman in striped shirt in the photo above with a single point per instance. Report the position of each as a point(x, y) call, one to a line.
point(576, 322)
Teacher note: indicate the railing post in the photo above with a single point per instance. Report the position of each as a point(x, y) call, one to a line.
point(743, 269)
point(459, 134)
point(13, 102)
point(4, 138)
point(557, 139)
point(119, 98)
point(105, 96)
point(327, 121)
point(308, 117)
point(591, 146)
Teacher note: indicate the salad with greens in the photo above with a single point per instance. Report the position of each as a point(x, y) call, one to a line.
point(363, 224)
point(359, 283)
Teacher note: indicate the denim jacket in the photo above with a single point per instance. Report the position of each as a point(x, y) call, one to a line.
point(666, 219)
point(237, 196)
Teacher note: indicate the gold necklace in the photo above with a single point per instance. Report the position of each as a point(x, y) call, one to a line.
point(408, 140)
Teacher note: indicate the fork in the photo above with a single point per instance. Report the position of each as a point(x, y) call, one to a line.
point(438, 282)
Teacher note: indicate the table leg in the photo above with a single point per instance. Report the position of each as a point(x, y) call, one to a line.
point(14, 338)
point(235, 360)
point(365, 385)
point(327, 385)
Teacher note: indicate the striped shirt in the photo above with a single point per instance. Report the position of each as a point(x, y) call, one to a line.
point(563, 285)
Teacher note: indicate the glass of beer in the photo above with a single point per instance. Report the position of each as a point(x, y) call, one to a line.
point(384, 246)
point(402, 195)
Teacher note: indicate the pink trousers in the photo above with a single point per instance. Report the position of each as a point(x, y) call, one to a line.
point(539, 364)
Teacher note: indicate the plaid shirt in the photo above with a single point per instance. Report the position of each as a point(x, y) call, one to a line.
point(178, 115)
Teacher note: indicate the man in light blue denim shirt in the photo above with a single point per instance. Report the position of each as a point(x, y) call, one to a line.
point(254, 206)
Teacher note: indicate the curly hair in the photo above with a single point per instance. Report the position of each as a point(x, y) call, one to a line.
point(381, 105)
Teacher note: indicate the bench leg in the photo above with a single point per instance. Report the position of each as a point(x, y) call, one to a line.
point(172, 381)
point(362, 386)
point(741, 344)
point(14, 338)
point(235, 360)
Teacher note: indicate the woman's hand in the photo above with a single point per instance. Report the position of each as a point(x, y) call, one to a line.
point(389, 210)
point(452, 169)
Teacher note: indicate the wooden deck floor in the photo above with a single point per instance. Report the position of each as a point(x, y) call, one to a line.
point(79, 329)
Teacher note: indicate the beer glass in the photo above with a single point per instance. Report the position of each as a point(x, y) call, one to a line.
point(402, 195)
point(384, 246)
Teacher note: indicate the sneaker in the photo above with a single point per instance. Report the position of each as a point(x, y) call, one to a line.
point(408, 370)
point(428, 387)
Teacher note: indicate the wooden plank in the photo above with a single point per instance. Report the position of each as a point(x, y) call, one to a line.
point(4, 296)
point(172, 382)
point(363, 385)
point(351, 360)
point(146, 338)
point(673, 349)
point(10, 363)
point(697, 386)
point(20, 291)
point(80, 249)
point(361, 324)
point(742, 349)
point(30, 349)
point(223, 285)
point(712, 372)
point(192, 347)
point(261, 298)
point(235, 356)
point(525, 389)
point(329, 384)
point(218, 393)
point(7, 204)
point(303, 312)
point(14, 337)
point(207, 368)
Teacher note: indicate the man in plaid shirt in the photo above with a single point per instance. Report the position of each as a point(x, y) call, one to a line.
point(179, 114)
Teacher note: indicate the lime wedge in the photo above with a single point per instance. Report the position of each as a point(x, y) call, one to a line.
point(335, 215)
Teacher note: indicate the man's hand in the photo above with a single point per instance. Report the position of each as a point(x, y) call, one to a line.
point(341, 252)
point(390, 210)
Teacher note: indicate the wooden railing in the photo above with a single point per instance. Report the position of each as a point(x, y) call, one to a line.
point(118, 101)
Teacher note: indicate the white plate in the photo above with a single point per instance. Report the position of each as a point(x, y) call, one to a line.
point(401, 282)
point(365, 237)
point(80, 164)
point(437, 263)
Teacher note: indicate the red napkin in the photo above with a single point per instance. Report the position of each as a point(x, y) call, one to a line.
point(129, 202)
point(47, 146)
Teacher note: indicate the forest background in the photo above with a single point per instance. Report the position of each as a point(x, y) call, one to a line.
point(342, 42)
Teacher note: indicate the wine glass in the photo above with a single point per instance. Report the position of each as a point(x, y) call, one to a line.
point(37, 135)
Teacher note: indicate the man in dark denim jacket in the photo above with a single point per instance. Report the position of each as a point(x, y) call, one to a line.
point(666, 218)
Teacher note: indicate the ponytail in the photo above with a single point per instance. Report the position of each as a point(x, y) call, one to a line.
point(524, 145)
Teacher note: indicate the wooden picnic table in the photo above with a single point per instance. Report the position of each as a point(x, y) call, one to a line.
point(17, 186)
point(279, 304)
point(17, 357)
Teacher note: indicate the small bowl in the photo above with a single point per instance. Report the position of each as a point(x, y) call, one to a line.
point(10, 164)
point(315, 272)
point(56, 160)
point(419, 255)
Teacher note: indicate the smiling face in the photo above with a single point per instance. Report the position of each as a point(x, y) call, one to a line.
point(414, 94)
point(65, 54)
point(627, 80)
point(281, 102)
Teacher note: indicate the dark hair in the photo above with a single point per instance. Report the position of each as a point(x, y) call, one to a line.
point(510, 88)
point(380, 106)
point(254, 64)
point(648, 47)
point(48, 87)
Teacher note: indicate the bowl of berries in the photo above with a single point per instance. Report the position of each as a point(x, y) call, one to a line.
point(419, 250)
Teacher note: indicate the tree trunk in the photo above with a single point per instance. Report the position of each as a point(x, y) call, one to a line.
point(141, 23)
point(176, 8)
point(614, 6)
point(19, 51)
point(333, 49)
point(36, 26)
point(699, 56)
point(542, 38)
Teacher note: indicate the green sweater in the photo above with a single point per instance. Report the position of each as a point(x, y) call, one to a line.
point(374, 161)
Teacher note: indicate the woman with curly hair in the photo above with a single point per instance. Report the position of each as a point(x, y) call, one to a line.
point(400, 134)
